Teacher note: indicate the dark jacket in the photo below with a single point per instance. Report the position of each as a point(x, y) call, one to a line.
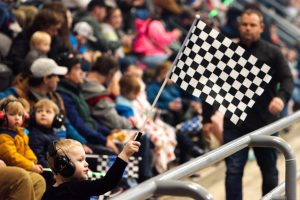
point(83, 190)
point(281, 85)
point(39, 140)
point(79, 114)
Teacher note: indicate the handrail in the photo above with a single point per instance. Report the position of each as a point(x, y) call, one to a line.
point(290, 160)
point(278, 190)
point(182, 188)
point(143, 190)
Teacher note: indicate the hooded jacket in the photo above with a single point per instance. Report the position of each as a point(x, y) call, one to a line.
point(152, 37)
point(15, 150)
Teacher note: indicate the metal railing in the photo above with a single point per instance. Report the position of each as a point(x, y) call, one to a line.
point(148, 188)
point(276, 192)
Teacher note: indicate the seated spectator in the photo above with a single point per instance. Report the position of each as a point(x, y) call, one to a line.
point(100, 100)
point(15, 150)
point(95, 15)
point(83, 35)
point(44, 117)
point(42, 83)
point(46, 20)
point(76, 107)
point(17, 183)
point(112, 31)
point(25, 15)
point(176, 105)
point(130, 88)
point(71, 176)
point(40, 43)
point(102, 106)
point(161, 134)
point(152, 41)
point(7, 20)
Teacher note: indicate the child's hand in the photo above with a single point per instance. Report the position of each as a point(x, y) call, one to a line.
point(2, 163)
point(37, 168)
point(130, 148)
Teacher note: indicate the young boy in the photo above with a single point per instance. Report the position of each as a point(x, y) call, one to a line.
point(44, 117)
point(15, 150)
point(67, 159)
point(130, 88)
point(40, 44)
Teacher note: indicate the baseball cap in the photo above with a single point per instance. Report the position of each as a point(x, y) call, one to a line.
point(83, 28)
point(94, 3)
point(45, 66)
point(69, 60)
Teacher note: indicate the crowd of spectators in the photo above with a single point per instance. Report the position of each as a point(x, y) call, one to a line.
point(102, 62)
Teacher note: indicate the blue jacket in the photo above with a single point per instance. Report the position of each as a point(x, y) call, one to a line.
point(76, 107)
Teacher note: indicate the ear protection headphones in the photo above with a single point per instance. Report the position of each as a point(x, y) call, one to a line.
point(62, 164)
point(58, 120)
point(3, 110)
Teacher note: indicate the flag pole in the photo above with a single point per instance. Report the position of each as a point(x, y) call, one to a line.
point(197, 17)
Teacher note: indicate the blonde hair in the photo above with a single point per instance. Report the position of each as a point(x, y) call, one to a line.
point(46, 103)
point(63, 147)
point(39, 37)
point(14, 105)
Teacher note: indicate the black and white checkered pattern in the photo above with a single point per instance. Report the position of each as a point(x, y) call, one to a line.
point(220, 72)
point(131, 171)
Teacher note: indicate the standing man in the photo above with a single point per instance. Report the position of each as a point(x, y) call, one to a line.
point(265, 111)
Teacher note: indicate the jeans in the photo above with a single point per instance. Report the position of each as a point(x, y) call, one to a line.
point(145, 165)
point(265, 158)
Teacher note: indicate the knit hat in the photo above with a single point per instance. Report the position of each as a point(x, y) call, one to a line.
point(84, 29)
point(45, 66)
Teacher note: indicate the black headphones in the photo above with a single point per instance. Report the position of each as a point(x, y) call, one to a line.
point(58, 120)
point(62, 164)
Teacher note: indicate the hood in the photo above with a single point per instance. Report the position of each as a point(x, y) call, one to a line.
point(92, 88)
point(141, 25)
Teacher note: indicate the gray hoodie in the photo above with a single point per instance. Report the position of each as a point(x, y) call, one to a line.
point(102, 106)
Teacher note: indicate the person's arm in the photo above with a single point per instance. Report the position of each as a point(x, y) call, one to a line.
point(79, 124)
point(73, 133)
point(285, 83)
point(284, 75)
point(112, 177)
point(87, 188)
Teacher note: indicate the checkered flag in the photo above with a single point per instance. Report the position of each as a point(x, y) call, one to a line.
point(131, 171)
point(217, 70)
